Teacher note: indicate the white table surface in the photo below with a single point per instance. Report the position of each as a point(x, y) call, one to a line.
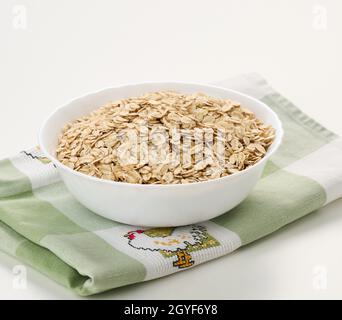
point(68, 48)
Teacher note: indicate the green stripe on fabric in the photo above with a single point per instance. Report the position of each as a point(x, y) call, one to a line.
point(302, 135)
point(270, 167)
point(276, 200)
point(40, 258)
point(107, 268)
point(12, 181)
point(60, 198)
point(49, 264)
point(9, 239)
point(34, 218)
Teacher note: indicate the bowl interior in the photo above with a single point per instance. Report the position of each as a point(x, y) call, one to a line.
point(51, 129)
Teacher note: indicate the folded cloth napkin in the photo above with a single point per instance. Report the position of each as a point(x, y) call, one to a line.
point(43, 225)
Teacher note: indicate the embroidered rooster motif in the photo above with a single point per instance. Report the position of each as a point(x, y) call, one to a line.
point(179, 242)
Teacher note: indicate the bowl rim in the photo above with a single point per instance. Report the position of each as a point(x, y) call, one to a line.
point(275, 144)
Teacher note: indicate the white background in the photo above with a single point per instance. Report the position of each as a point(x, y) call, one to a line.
point(68, 48)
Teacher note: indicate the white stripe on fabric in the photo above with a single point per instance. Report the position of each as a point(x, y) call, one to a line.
point(30, 163)
point(324, 166)
point(155, 262)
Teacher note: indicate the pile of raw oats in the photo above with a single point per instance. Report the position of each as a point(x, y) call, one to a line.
point(165, 137)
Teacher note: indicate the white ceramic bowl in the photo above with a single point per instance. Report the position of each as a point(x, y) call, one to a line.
point(156, 205)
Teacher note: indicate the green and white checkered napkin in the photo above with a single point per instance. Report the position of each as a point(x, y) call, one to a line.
point(44, 226)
